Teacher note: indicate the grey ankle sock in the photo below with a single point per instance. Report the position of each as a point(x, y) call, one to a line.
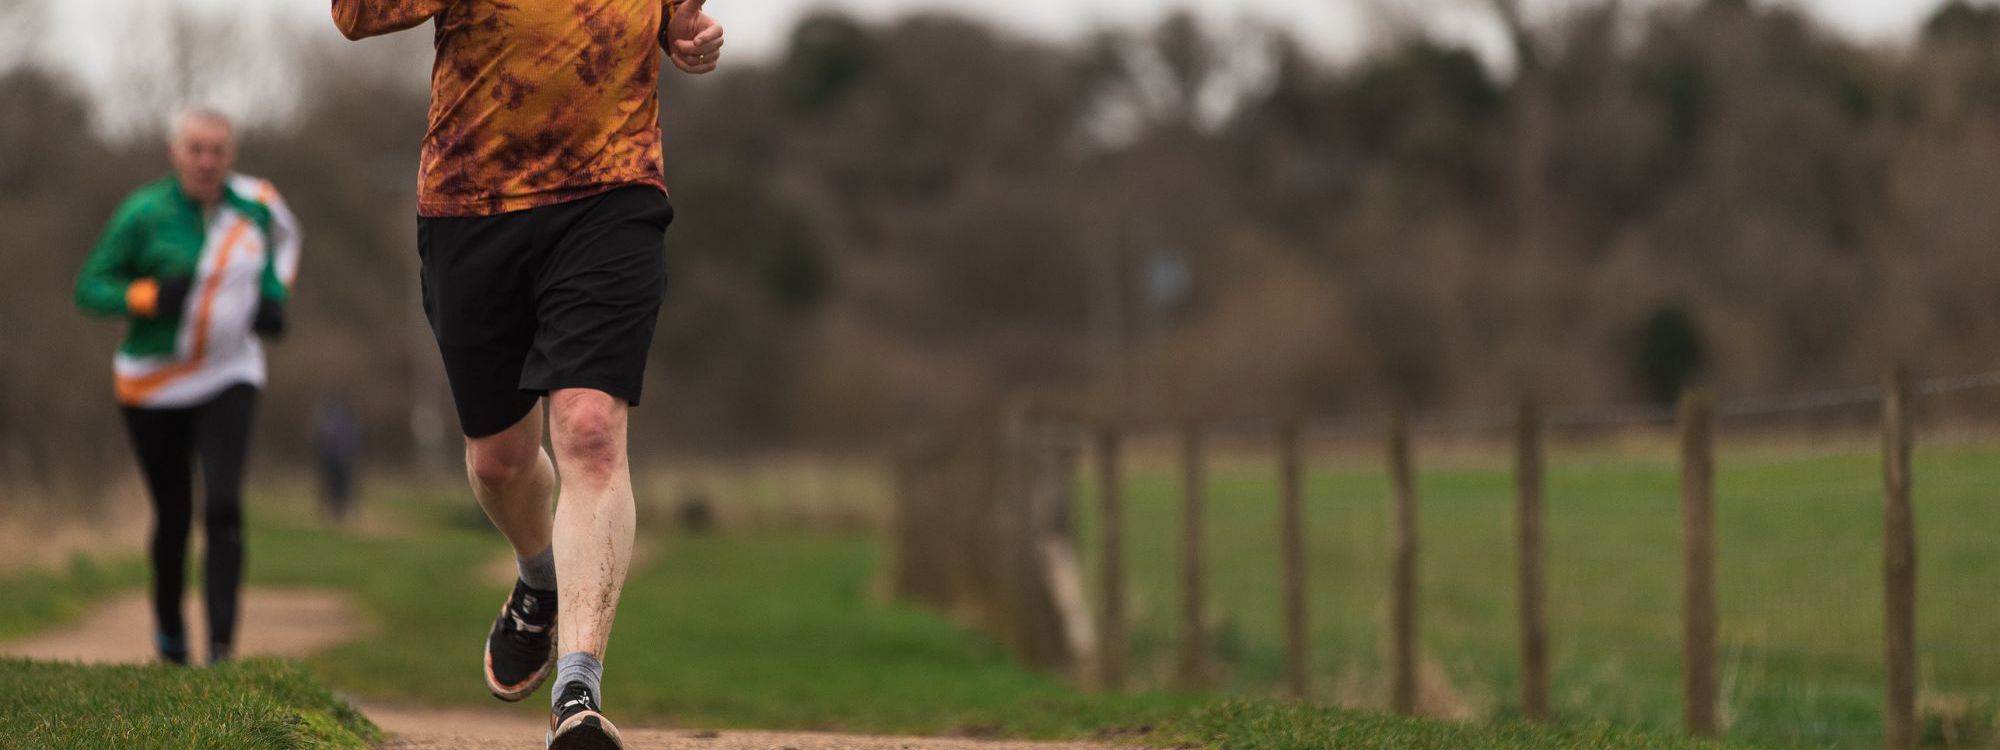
point(539, 572)
point(577, 666)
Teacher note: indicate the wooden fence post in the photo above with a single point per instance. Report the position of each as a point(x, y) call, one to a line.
point(905, 554)
point(1111, 521)
point(1291, 535)
point(1041, 578)
point(1899, 567)
point(1403, 576)
point(1194, 639)
point(1528, 525)
point(1698, 551)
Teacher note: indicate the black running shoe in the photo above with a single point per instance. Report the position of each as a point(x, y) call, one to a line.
point(173, 649)
point(520, 649)
point(577, 724)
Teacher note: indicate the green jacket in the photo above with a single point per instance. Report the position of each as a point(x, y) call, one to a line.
point(158, 233)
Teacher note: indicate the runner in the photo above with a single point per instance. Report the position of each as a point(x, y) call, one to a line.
point(201, 263)
point(336, 447)
point(541, 214)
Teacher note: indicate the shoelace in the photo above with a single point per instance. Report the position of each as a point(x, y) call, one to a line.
point(523, 631)
point(575, 697)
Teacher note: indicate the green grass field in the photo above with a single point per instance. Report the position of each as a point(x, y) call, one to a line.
point(1799, 578)
point(257, 704)
point(765, 630)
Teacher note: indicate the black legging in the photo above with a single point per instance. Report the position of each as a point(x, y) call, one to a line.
point(167, 442)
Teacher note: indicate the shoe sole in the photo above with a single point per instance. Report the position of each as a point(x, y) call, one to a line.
point(518, 691)
point(588, 730)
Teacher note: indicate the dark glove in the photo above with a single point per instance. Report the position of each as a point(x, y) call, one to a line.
point(270, 321)
point(173, 297)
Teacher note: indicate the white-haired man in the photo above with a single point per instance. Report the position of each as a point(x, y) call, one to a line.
point(200, 264)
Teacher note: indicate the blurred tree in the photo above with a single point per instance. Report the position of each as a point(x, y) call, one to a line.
point(1670, 353)
point(1676, 81)
point(1190, 60)
point(1426, 107)
point(745, 228)
point(829, 54)
point(56, 187)
point(1968, 36)
point(1963, 22)
point(36, 110)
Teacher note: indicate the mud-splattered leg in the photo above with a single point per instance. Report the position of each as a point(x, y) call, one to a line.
point(594, 521)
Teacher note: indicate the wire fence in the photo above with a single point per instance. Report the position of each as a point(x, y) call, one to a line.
point(1802, 624)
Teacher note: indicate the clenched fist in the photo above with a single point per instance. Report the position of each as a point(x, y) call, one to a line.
point(693, 38)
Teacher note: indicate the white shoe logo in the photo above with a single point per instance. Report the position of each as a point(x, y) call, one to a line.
point(523, 626)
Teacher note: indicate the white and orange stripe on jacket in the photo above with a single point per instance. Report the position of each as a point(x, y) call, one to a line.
point(216, 348)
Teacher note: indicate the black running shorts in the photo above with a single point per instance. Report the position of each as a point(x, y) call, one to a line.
point(533, 301)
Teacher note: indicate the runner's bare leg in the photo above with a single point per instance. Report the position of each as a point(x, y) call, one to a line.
point(515, 483)
point(594, 521)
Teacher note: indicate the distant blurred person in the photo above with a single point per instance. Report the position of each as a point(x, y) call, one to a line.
point(336, 445)
point(200, 264)
point(542, 213)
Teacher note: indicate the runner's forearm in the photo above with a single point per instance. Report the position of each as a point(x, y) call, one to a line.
point(271, 287)
point(104, 283)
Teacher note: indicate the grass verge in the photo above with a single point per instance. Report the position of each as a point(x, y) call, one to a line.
point(1263, 725)
point(257, 704)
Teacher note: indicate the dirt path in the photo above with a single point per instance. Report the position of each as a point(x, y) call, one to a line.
point(498, 730)
point(279, 622)
point(290, 622)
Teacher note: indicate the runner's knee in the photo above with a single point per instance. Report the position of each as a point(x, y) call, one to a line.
point(590, 435)
point(497, 465)
point(170, 530)
point(222, 519)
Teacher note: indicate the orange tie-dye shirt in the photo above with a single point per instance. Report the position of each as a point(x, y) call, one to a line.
point(533, 102)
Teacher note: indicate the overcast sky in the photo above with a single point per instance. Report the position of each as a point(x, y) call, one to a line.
point(86, 36)
point(1334, 26)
